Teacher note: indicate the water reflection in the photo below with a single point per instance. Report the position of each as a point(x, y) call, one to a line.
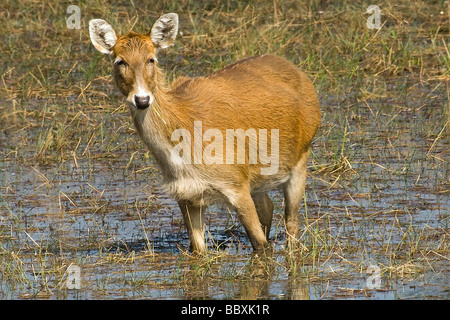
point(260, 279)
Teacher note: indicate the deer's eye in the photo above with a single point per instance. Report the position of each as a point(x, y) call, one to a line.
point(151, 60)
point(119, 62)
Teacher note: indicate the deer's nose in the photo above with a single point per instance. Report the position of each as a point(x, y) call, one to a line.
point(142, 102)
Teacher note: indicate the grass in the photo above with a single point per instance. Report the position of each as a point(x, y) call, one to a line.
point(78, 187)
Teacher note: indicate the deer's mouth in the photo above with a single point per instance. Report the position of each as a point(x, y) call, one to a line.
point(141, 100)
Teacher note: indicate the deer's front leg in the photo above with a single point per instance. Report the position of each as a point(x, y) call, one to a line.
point(194, 221)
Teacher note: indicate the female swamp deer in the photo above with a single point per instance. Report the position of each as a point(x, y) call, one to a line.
point(259, 94)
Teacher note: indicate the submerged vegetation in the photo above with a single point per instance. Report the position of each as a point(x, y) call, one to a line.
point(77, 187)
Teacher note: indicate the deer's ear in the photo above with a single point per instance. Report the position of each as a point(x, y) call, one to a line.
point(102, 35)
point(164, 30)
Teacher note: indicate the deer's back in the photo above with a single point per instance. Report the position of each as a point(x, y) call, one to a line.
point(261, 92)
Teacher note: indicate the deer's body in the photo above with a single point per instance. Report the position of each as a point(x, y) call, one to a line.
point(258, 93)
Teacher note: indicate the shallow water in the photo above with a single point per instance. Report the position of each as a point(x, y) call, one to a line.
point(388, 209)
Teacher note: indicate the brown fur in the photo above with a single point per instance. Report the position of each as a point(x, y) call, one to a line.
point(262, 92)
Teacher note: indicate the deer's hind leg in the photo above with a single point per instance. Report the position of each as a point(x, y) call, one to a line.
point(245, 207)
point(294, 190)
point(264, 208)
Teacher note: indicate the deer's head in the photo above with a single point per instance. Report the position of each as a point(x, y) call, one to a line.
point(134, 56)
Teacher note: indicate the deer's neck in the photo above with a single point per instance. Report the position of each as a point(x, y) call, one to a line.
point(156, 124)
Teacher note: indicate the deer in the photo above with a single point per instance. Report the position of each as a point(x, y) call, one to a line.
point(265, 92)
